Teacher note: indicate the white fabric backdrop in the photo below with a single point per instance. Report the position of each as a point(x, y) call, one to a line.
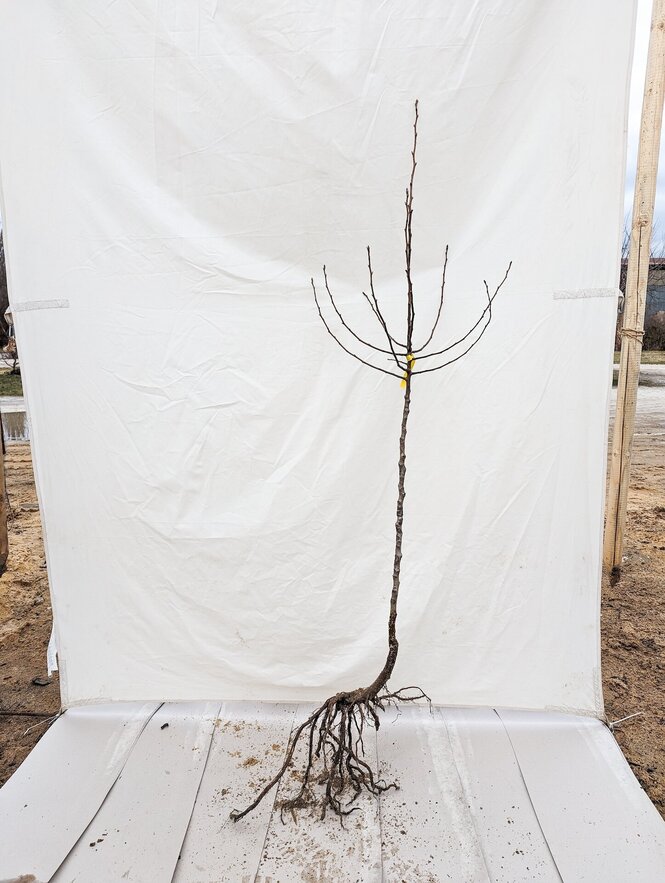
point(217, 479)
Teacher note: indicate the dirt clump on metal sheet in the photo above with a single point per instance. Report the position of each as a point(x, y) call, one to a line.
point(633, 621)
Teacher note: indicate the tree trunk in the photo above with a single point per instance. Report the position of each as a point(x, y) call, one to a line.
point(393, 645)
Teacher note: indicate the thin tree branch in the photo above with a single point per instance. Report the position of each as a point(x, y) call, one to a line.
point(438, 315)
point(490, 298)
point(379, 314)
point(380, 319)
point(377, 309)
point(373, 308)
point(473, 327)
point(409, 288)
point(408, 236)
point(339, 342)
point(348, 327)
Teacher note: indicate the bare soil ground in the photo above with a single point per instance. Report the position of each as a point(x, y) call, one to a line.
point(633, 612)
point(25, 622)
point(633, 620)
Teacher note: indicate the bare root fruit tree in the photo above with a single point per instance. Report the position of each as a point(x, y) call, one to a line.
point(334, 771)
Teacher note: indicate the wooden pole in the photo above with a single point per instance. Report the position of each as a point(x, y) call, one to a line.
point(636, 287)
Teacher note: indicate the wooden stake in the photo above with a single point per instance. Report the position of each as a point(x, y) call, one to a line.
point(636, 287)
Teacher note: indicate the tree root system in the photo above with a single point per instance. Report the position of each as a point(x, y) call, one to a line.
point(335, 771)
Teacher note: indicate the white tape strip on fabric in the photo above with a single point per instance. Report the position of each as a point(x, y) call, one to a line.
point(52, 654)
point(40, 305)
point(577, 293)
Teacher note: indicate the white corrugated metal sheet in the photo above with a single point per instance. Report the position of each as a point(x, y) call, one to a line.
point(485, 795)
